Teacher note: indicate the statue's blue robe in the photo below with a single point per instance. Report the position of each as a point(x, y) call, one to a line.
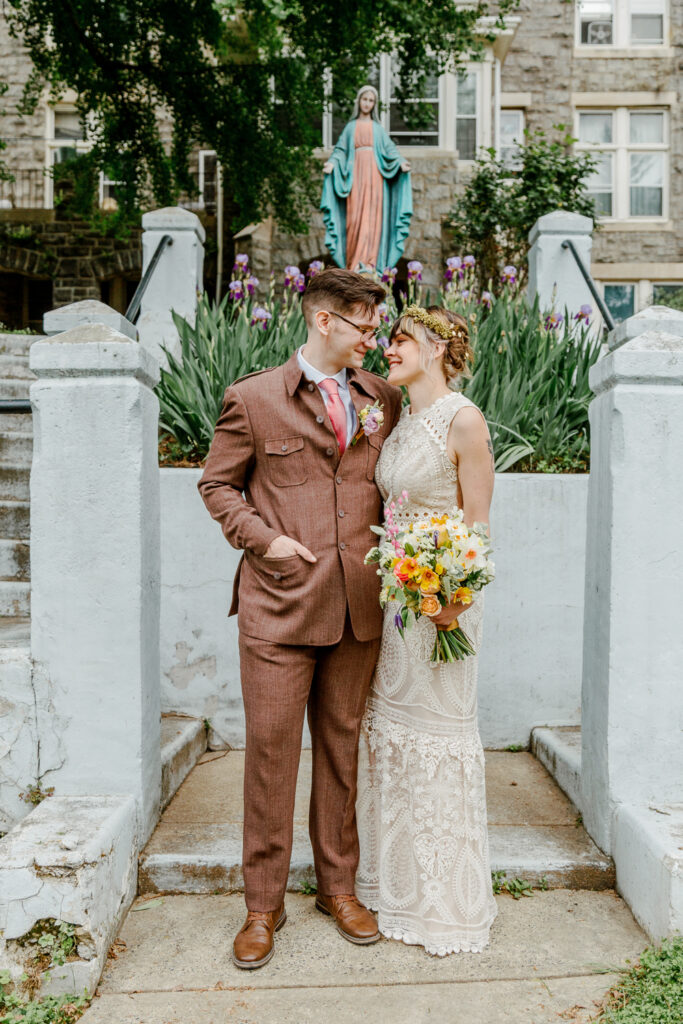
point(397, 205)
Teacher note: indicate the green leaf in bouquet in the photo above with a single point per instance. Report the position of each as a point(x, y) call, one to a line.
point(379, 530)
point(410, 618)
point(409, 550)
point(373, 555)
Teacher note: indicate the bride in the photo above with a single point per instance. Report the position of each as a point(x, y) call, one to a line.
point(421, 805)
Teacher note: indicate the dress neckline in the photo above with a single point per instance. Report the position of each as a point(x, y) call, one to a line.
point(427, 408)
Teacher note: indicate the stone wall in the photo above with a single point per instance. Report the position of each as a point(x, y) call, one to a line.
point(544, 62)
point(434, 178)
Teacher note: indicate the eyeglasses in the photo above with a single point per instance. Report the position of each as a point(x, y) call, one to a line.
point(366, 335)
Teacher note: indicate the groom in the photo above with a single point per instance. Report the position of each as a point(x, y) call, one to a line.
point(290, 486)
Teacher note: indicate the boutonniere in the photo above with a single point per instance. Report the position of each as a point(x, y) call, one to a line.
point(371, 419)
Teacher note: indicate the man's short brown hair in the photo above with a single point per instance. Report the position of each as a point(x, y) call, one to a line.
point(340, 291)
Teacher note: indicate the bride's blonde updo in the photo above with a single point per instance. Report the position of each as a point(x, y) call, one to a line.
point(435, 325)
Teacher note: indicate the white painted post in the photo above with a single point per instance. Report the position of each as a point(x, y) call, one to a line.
point(553, 273)
point(632, 700)
point(177, 278)
point(95, 556)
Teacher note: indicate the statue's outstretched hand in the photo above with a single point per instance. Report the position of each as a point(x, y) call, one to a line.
point(405, 166)
point(328, 167)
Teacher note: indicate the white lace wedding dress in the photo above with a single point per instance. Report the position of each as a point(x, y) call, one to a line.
point(421, 807)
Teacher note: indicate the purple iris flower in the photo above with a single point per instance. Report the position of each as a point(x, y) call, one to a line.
point(389, 275)
point(252, 284)
point(415, 269)
point(260, 317)
point(236, 291)
point(509, 275)
point(469, 261)
point(314, 267)
point(398, 621)
point(584, 313)
point(291, 275)
point(486, 299)
point(241, 261)
point(553, 321)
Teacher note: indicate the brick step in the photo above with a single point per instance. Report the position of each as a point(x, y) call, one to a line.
point(15, 598)
point(15, 387)
point(14, 481)
point(533, 830)
point(17, 343)
point(15, 520)
point(15, 561)
point(16, 423)
point(17, 447)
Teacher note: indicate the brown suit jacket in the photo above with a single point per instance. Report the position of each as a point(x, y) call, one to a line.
point(274, 468)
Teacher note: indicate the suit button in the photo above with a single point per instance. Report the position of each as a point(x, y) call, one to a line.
point(329, 451)
point(284, 447)
point(277, 575)
point(341, 514)
point(311, 387)
point(339, 479)
point(320, 419)
point(342, 546)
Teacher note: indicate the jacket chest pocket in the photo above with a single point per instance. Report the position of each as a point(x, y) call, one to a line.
point(285, 461)
point(375, 443)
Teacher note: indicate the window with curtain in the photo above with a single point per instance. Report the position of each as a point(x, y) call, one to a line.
point(631, 178)
point(511, 138)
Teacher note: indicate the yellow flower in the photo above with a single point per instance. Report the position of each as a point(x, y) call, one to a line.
point(439, 569)
point(464, 595)
point(429, 582)
point(430, 605)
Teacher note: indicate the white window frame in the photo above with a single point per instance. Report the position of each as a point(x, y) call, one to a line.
point(621, 31)
point(52, 145)
point(621, 148)
point(522, 113)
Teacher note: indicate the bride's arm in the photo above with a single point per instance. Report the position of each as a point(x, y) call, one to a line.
point(470, 449)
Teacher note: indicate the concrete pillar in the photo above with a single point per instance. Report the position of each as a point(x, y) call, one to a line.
point(632, 700)
point(553, 273)
point(95, 556)
point(177, 278)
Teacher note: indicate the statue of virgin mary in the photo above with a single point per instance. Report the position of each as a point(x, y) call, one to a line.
point(367, 197)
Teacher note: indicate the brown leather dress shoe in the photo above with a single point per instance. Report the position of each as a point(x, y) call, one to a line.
point(253, 945)
point(353, 920)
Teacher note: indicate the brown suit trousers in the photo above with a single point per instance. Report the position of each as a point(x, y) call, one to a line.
point(309, 633)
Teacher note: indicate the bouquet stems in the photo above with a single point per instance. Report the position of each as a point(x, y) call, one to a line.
point(452, 645)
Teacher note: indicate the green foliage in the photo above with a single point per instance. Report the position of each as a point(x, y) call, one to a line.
point(651, 992)
point(221, 347)
point(308, 888)
point(492, 218)
point(210, 66)
point(515, 887)
point(53, 941)
point(49, 1010)
point(36, 794)
point(531, 383)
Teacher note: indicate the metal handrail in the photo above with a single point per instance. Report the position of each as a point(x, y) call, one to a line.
point(15, 405)
point(134, 307)
point(604, 311)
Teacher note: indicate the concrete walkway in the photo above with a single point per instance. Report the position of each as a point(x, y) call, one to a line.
point(534, 830)
point(551, 957)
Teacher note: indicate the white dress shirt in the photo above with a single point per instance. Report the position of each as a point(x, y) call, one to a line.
point(310, 373)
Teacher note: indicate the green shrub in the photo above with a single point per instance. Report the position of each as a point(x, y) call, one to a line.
point(651, 992)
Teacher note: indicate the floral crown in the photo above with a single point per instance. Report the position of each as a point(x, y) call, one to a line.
point(434, 323)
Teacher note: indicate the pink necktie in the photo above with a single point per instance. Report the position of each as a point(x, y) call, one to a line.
point(336, 411)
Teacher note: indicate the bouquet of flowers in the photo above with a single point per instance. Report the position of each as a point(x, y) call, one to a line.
point(429, 565)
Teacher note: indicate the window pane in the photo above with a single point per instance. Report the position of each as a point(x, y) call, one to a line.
point(620, 300)
point(467, 93)
point(596, 22)
point(511, 137)
point(603, 203)
point(647, 169)
point(601, 178)
point(670, 295)
point(595, 128)
point(67, 125)
point(466, 137)
point(647, 28)
point(646, 192)
point(647, 127)
point(430, 90)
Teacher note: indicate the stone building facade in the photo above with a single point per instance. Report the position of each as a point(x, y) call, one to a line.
point(607, 69)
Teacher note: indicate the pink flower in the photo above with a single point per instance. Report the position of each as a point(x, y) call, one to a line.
point(371, 425)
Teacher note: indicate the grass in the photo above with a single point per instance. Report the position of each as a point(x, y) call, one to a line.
point(49, 1010)
point(651, 991)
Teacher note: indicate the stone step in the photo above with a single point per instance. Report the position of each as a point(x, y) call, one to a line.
point(14, 368)
point(15, 598)
point(17, 446)
point(558, 748)
point(16, 423)
point(533, 830)
point(14, 481)
point(15, 633)
point(15, 387)
point(183, 741)
point(14, 520)
point(17, 343)
point(15, 560)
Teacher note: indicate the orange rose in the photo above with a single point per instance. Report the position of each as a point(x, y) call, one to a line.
point(430, 605)
point(405, 569)
point(429, 582)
